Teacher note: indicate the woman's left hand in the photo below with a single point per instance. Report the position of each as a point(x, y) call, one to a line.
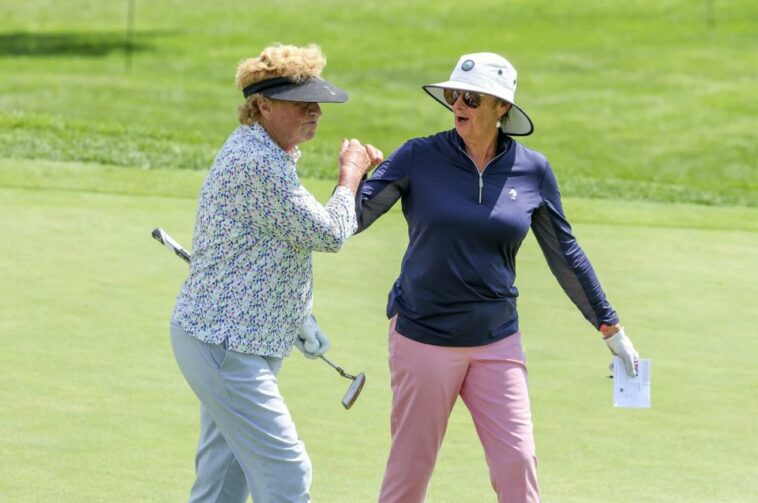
point(621, 346)
point(311, 341)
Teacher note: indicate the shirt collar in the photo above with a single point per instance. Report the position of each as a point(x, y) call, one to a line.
point(262, 134)
point(503, 141)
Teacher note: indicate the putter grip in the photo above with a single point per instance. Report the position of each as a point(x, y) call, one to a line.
point(162, 237)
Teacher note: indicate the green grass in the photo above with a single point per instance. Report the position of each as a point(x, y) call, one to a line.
point(95, 409)
point(636, 104)
point(641, 100)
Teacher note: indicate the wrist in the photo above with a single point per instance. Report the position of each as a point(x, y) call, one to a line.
point(609, 331)
point(350, 180)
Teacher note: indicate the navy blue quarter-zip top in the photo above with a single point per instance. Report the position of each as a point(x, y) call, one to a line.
point(481, 173)
point(456, 284)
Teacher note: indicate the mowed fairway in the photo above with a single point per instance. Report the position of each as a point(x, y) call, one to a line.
point(94, 408)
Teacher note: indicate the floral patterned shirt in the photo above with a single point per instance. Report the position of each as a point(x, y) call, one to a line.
point(250, 282)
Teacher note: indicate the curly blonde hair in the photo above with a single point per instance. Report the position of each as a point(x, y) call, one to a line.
point(297, 63)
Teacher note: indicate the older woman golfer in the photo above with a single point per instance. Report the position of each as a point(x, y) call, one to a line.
point(248, 296)
point(469, 196)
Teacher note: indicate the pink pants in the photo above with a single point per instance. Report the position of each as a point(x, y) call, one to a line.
point(491, 380)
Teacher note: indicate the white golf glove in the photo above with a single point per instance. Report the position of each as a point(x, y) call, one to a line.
point(621, 346)
point(311, 340)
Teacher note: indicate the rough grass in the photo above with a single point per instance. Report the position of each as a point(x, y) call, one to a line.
point(642, 100)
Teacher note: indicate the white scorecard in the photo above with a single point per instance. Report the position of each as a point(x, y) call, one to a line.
point(628, 391)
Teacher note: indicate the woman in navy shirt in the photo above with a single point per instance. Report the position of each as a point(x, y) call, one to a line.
point(469, 196)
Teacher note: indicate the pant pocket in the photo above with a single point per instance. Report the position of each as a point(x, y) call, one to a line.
point(392, 343)
point(200, 352)
point(218, 355)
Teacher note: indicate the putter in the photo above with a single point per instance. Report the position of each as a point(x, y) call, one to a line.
point(351, 395)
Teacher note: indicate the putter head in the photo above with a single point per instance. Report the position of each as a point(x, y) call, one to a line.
point(351, 395)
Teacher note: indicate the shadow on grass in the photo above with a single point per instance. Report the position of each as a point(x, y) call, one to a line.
point(73, 44)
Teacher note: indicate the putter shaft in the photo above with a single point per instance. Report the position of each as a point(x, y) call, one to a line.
point(338, 369)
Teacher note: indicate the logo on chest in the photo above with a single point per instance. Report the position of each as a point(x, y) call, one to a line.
point(512, 194)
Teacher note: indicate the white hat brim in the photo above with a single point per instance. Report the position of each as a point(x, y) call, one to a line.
point(516, 123)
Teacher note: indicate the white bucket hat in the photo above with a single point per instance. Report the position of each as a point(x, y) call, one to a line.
point(488, 73)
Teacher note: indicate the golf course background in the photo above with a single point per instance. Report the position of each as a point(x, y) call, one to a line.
point(646, 110)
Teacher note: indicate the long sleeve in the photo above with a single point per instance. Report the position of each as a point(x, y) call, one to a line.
point(388, 183)
point(565, 257)
point(285, 209)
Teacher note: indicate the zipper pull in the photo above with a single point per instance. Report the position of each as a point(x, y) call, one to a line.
point(481, 186)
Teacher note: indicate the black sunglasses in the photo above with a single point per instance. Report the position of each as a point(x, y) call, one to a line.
point(471, 99)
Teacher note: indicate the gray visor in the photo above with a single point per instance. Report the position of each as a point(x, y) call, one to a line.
point(313, 90)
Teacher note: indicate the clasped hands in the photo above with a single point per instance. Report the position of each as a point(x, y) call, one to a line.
point(355, 160)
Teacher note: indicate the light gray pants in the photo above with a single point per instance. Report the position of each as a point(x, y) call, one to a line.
point(248, 443)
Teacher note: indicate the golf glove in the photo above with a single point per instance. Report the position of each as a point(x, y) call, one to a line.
point(621, 346)
point(311, 340)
